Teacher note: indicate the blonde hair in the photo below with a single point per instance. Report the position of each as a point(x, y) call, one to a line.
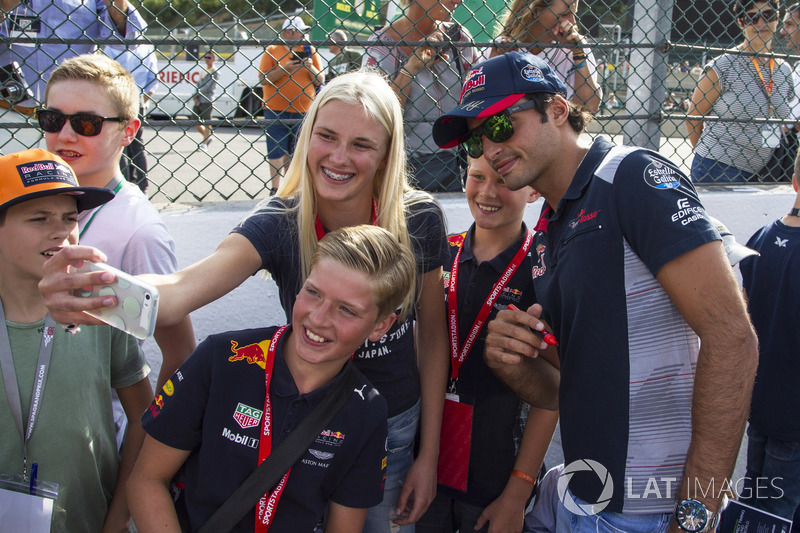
point(520, 16)
point(390, 188)
point(107, 74)
point(375, 252)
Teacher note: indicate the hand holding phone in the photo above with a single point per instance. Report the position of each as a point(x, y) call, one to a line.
point(137, 301)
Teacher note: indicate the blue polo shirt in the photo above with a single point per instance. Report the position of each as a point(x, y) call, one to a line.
point(498, 415)
point(213, 406)
point(627, 356)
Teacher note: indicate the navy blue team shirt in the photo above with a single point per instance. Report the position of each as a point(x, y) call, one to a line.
point(498, 416)
point(627, 356)
point(213, 406)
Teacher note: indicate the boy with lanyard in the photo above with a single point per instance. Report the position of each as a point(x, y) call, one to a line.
point(209, 416)
point(489, 269)
point(65, 425)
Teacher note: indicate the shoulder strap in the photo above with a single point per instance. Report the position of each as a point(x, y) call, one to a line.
point(290, 450)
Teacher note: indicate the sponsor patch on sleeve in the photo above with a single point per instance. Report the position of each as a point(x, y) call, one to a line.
point(661, 176)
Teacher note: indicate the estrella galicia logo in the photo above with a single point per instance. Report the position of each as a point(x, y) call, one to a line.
point(587, 509)
point(661, 176)
point(531, 73)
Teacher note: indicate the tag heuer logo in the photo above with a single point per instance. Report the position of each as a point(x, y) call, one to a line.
point(247, 416)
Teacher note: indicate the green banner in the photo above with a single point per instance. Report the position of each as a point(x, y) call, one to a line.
point(356, 17)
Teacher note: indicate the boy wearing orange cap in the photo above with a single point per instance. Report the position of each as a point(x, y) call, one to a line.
point(54, 408)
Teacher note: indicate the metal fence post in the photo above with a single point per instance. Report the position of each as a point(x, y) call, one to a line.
point(646, 77)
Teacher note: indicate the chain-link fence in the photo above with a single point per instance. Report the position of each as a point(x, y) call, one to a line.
point(639, 66)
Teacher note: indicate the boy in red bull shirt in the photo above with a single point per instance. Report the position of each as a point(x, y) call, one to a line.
point(212, 415)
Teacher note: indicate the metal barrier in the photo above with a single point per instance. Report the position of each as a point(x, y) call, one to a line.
point(637, 65)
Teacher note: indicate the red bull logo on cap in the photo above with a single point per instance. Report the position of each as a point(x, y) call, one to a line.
point(254, 354)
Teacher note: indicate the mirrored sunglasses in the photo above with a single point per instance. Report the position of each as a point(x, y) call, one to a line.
point(85, 124)
point(497, 128)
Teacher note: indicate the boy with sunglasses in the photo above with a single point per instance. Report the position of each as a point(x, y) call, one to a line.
point(90, 116)
point(627, 269)
point(54, 408)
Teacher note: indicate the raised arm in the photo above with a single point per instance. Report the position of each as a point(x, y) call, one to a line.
point(512, 352)
point(705, 94)
point(180, 293)
point(703, 288)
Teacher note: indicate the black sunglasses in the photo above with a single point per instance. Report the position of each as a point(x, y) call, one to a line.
point(497, 128)
point(85, 124)
point(755, 16)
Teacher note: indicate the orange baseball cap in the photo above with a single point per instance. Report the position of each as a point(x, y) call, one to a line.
point(36, 173)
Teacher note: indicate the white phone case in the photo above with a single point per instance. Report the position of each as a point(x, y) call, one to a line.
point(137, 301)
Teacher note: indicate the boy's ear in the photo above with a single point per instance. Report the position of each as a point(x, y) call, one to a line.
point(130, 131)
point(381, 327)
point(794, 182)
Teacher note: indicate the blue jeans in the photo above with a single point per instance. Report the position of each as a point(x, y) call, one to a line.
point(399, 457)
point(705, 170)
point(281, 136)
point(772, 482)
point(607, 522)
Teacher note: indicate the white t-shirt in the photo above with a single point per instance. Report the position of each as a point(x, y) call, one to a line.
point(129, 230)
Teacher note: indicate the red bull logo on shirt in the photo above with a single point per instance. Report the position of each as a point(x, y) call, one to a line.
point(332, 438)
point(254, 354)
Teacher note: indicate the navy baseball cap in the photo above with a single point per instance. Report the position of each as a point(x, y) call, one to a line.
point(492, 86)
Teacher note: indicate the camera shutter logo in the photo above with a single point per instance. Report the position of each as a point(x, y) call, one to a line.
point(569, 502)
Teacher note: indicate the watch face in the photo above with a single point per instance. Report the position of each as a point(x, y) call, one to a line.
point(692, 516)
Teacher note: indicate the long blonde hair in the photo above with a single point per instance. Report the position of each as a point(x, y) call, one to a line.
point(390, 187)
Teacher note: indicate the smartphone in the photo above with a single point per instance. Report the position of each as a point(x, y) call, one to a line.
point(137, 301)
point(300, 55)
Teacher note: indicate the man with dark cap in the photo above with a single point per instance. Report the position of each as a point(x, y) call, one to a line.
point(656, 350)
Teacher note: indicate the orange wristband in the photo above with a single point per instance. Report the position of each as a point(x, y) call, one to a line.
point(524, 476)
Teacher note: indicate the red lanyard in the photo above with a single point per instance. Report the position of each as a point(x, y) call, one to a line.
point(321, 231)
point(767, 91)
point(265, 511)
point(457, 358)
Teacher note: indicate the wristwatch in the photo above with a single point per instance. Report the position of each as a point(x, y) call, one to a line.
point(694, 517)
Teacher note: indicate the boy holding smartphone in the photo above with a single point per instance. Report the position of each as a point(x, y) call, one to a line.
point(90, 116)
point(241, 392)
point(54, 408)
